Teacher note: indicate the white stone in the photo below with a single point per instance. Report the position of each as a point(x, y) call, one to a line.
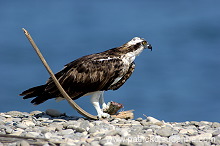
point(152, 120)
point(69, 141)
point(6, 116)
point(23, 143)
point(35, 113)
point(67, 131)
point(28, 123)
point(89, 140)
point(205, 122)
point(187, 122)
point(202, 127)
point(16, 133)
point(19, 129)
point(8, 130)
point(94, 143)
point(124, 132)
point(183, 131)
point(32, 134)
point(48, 135)
point(51, 128)
point(20, 125)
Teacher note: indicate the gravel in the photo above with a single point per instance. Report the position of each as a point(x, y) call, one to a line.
point(48, 128)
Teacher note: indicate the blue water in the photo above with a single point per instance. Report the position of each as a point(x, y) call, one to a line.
point(178, 81)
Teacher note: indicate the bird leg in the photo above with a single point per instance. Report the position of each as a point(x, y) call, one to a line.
point(102, 102)
point(97, 98)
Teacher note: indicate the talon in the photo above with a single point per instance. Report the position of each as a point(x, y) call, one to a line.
point(103, 115)
point(105, 107)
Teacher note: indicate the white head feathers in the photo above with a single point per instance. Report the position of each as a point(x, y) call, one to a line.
point(135, 40)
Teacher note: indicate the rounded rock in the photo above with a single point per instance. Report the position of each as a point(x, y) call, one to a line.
point(35, 113)
point(123, 132)
point(188, 131)
point(32, 134)
point(112, 133)
point(65, 125)
point(28, 123)
point(66, 132)
point(8, 130)
point(6, 116)
point(216, 133)
point(14, 113)
point(148, 132)
point(48, 135)
point(53, 113)
point(16, 133)
point(95, 143)
point(139, 119)
point(165, 131)
point(93, 129)
point(152, 120)
point(76, 128)
point(85, 125)
point(22, 143)
point(20, 125)
point(16, 119)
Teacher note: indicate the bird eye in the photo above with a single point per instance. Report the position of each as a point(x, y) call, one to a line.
point(144, 43)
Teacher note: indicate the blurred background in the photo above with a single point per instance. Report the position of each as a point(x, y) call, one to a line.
point(178, 81)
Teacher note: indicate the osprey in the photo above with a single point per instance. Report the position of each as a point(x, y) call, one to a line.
point(92, 75)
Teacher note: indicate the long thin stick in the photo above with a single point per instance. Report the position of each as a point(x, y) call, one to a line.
point(62, 91)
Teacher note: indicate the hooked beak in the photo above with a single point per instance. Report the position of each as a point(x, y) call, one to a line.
point(149, 46)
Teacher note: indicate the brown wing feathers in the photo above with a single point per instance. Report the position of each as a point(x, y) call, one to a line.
point(79, 77)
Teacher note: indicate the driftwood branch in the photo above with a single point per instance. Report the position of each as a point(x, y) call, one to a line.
point(62, 91)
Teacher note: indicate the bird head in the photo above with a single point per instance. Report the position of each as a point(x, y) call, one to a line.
point(137, 41)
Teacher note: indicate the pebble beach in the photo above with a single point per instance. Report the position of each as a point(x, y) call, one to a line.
point(54, 128)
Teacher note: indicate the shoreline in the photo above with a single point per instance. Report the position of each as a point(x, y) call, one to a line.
point(54, 128)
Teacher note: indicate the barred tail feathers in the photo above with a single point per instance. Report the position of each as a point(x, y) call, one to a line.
point(38, 92)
